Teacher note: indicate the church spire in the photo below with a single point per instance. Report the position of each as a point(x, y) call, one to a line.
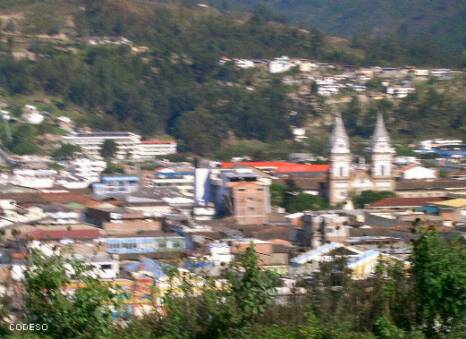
point(381, 139)
point(339, 141)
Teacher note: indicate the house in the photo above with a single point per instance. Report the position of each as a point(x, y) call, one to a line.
point(395, 204)
point(452, 210)
point(417, 172)
point(32, 115)
point(280, 65)
point(122, 220)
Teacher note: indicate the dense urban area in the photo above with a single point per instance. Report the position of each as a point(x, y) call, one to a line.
point(176, 169)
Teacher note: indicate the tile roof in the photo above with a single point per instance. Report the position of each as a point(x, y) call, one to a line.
point(403, 202)
point(278, 166)
point(41, 234)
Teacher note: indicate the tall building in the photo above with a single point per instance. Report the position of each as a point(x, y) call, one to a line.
point(345, 178)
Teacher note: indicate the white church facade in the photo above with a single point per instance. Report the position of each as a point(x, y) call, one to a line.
point(346, 178)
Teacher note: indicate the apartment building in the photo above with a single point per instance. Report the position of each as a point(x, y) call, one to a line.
point(91, 143)
point(151, 149)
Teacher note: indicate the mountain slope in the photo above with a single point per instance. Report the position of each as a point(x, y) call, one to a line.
point(441, 21)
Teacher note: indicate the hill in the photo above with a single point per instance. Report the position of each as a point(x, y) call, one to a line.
point(439, 23)
point(153, 67)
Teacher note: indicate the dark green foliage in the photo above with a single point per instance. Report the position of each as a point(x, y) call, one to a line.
point(108, 149)
point(86, 314)
point(291, 197)
point(66, 152)
point(24, 140)
point(440, 283)
point(367, 197)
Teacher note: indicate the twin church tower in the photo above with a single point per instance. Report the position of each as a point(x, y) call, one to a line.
point(344, 178)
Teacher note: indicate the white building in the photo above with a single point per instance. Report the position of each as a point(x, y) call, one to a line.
point(220, 253)
point(32, 115)
point(280, 65)
point(87, 169)
point(41, 178)
point(91, 143)
point(417, 172)
point(150, 149)
point(400, 92)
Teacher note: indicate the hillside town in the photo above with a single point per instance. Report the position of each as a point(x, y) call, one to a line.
point(197, 217)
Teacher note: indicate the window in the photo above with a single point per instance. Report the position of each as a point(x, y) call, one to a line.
point(382, 170)
point(341, 171)
point(106, 267)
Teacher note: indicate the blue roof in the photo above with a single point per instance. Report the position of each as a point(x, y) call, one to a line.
point(156, 268)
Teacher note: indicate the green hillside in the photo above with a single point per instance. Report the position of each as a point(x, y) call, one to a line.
point(440, 23)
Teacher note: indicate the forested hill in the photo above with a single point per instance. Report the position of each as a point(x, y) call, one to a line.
point(74, 56)
point(439, 24)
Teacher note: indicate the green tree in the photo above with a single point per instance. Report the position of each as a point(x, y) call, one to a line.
point(108, 149)
point(304, 202)
point(277, 193)
point(66, 152)
point(439, 269)
point(367, 197)
point(84, 314)
point(24, 140)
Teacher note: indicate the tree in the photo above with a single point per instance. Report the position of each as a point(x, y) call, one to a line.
point(87, 313)
point(367, 197)
point(66, 152)
point(439, 269)
point(304, 202)
point(108, 149)
point(277, 192)
point(24, 140)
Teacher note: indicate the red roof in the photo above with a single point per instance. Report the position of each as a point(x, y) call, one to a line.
point(279, 166)
point(403, 202)
point(41, 234)
point(157, 142)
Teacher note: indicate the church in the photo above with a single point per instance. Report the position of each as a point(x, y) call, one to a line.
point(345, 178)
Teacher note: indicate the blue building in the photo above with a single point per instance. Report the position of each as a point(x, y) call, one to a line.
point(118, 184)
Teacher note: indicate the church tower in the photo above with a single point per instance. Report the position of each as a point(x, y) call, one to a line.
point(382, 156)
point(340, 163)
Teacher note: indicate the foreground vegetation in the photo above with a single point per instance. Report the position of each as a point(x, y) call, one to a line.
point(426, 300)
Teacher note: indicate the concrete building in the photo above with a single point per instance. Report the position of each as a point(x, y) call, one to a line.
point(280, 65)
point(41, 178)
point(324, 227)
point(243, 194)
point(345, 178)
point(157, 243)
point(151, 149)
point(87, 169)
point(91, 143)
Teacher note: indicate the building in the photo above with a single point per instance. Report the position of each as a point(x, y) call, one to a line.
point(345, 178)
point(323, 227)
point(139, 244)
point(151, 149)
point(90, 143)
point(243, 194)
point(40, 178)
point(181, 178)
point(32, 115)
point(87, 169)
point(280, 65)
point(418, 172)
point(116, 185)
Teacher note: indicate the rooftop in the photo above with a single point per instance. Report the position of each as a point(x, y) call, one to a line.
point(278, 166)
point(455, 203)
point(403, 202)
